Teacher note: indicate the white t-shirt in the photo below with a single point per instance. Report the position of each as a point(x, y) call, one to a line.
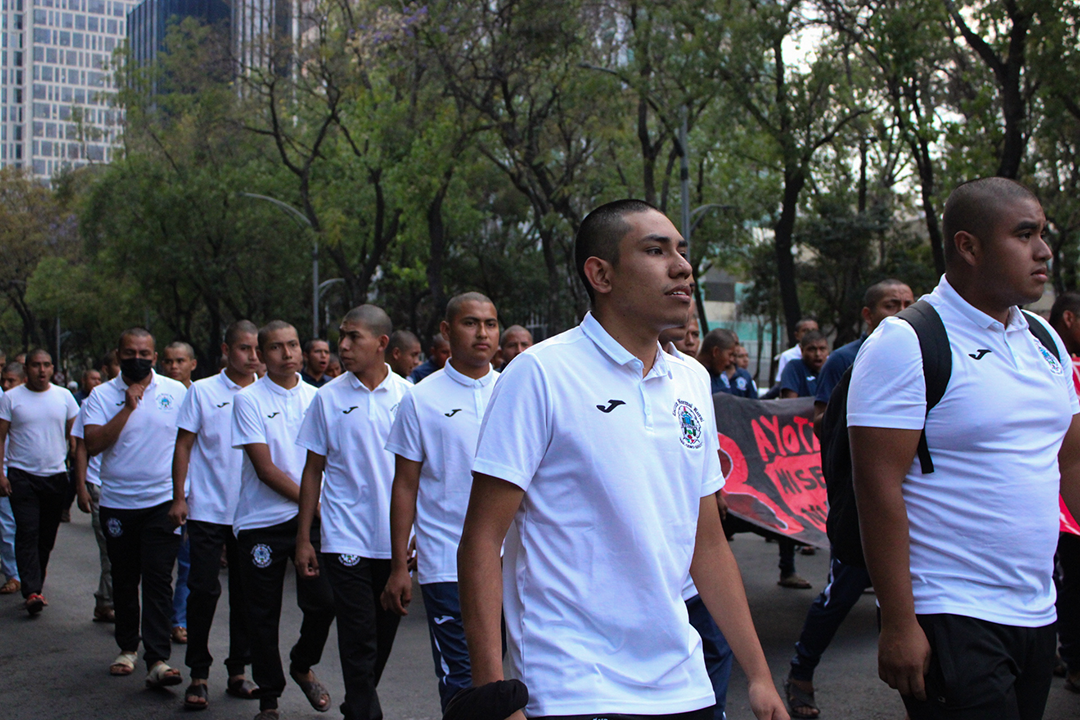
point(785, 357)
point(93, 464)
point(213, 476)
point(437, 425)
point(37, 440)
point(348, 425)
point(266, 413)
point(614, 467)
point(984, 524)
point(136, 471)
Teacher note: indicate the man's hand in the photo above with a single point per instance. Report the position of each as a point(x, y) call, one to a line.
point(904, 658)
point(765, 702)
point(133, 395)
point(82, 496)
point(5, 486)
point(307, 563)
point(178, 512)
point(397, 594)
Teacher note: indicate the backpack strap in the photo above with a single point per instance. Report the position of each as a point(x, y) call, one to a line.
point(1042, 334)
point(937, 363)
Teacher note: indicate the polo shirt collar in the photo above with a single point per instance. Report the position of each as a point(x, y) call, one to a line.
point(467, 381)
point(384, 385)
point(278, 390)
point(616, 352)
point(228, 383)
point(1016, 319)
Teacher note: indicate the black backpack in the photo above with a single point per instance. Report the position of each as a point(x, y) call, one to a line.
point(842, 523)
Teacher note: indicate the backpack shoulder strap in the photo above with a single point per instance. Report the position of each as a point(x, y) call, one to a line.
point(937, 362)
point(1042, 334)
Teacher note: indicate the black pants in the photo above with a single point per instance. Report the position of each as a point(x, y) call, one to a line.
point(1068, 601)
point(981, 670)
point(207, 539)
point(264, 556)
point(37, 503)
point(702, 714)
point(142, 546)
point(365, 630)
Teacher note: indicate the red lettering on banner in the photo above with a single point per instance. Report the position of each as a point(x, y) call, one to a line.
point(741, 495)
point(791, 440)
point(799, 480)
point(773, 425)
point(763, 443)
point(806, 428)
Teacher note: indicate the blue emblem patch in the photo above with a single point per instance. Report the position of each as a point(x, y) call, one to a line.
point(165, 402)
point(349, 560)
point(691, 427)
point(260, 555)
point(1055, 366)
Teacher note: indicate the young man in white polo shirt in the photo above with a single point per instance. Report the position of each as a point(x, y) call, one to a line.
point(206, 489)
point(961, 557)
point(344, 434)
point(598, 453)
point(131, 422)
point(35, 427)
point(266, 420)
point(434, 439)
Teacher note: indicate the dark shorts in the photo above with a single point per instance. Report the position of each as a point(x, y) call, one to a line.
point(981, 670)
point(702, 714)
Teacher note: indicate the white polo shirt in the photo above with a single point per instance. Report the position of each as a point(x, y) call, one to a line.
point(136, 471)
point(37, 439)
point(437, 425)
point(266, 413)
point(614, 467)
point(213, 476)
point(93, 464)
point(348, 425)
point(984, 524)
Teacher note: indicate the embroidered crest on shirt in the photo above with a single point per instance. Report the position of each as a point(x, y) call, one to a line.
point(260, 555)
point(114, 527)
point(165, 402)
point(690, 424)
point(1055, 366)
point(349, 560)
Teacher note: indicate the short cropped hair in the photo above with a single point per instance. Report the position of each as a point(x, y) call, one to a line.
point(310, 344)
point(600, 234)
point(108, 359)
point(272, 326)
point(134, 332)
point(453, 308)
point(38, 351)
point(805, 321)
point(372, 317)
point(15, 368)
point(401, 339)
point(876, 292)
point(719, 338)
point(439, 339)
point(1065, 302)
point(511, 330)
point(975, 207)
point(181, 345)
point(238, 328)
point(812, 337)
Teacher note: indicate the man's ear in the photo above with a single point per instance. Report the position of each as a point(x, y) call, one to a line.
point(599, 274)
point(866, 316)
point(968, 246)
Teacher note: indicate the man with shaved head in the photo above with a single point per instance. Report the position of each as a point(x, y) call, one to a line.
point(348, 474)
point(437, 356)
point(514, 341)
point(178, 362)
point(958, 505)
point(403, 352)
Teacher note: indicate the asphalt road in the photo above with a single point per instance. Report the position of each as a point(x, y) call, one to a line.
point(56, 665)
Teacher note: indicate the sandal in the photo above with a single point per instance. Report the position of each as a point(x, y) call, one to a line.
point(800, 702)
point(316, 692)
point(124, 664)
point(1072, 682)
point(242, 688)
point(104, 614)
point(795, 582)
point(196, 697)
point(179, 635)
point(161, 675)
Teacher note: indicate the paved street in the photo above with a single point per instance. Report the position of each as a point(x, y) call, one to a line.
point(56, 665)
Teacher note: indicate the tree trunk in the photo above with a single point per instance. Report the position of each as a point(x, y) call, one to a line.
point(921, 150)
point(784, 232)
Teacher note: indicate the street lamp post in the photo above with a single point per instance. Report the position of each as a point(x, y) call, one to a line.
point(303, 221)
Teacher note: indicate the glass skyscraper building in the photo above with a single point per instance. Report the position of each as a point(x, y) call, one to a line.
point(56, 82)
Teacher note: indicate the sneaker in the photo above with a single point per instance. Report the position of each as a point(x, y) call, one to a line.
point(10, 587)
point(34, 603)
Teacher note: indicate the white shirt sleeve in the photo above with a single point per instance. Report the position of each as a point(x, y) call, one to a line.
point(405, 439)
point(312, 435)
point(77, 426)
point(94, 412)
point(247, 425)
point(888, 387)
point(1066, 362)
point(517, 426)
point(5, 407)
point(72, 407)
point(190, 417)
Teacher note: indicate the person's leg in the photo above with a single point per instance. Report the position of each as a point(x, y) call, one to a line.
point(1035, 654)
point(103, 598)
point(386, 622)
point(53, 499)
point(8, 566)
point(262, 563)
point(160, 543)
point(718, 655)
point(180, 591)
point(206, 541)
point(1068, 604)
point(351, 580)
point(315, 598)
point(26, 507)
point(442, 606)
point(122, 529)
point(239, 635)
point(846, 586)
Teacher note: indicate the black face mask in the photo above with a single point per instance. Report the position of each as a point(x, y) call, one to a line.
point(136, 369)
